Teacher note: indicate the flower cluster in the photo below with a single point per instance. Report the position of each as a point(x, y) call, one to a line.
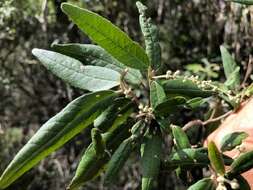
point(221, 183)
point(202, 84)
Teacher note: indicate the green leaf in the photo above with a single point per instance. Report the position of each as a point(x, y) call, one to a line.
point(108, 36)
point(234, 79)
point(241, 164)
point(232, 71)
point(248, 91)
point(98, 142)
point(180, 137)
point(230, 141)
point(216, 158)
point(189, 157)
point(195, 102)
point(185, 88)
point(186, 158)
point(164, 124)
point(138, 129)
point(118, 159)
point(244, 2)
point(203, 184)
point(91, 165)
point(170, 106)
point(72, 71)
point(151, 151)
point(243, 184)
point(90, 54)
point(151, 36)
point(157, 94)
point(116, 114)
point(75, 117)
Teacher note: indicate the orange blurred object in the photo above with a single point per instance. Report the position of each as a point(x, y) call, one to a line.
point(240, 120)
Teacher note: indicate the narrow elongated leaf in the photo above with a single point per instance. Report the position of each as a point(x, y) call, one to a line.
point(72, 71)
point(169, 106)
point(181, 142)
point(98, 142)
point(230, 141)
point(157, 94)
point(232, 71)
point(180, 137)
point(243, 184)
point(195, 102)
point(164, 124)
point(244, 2)
point(185, 88)
point(234, 79)
point(216, 158)
point(91, 165)
point(242, 164)
point(116, 114)
point(151, 150)
point(75, 117)
point(150, 33)
point(90, 54)
point(118, 159)
point(108, 36)
point(203, 184)
point(189, 157)
point(138, 129)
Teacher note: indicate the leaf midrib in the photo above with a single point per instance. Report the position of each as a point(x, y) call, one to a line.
point(48, 142)
point(92, 56)
point(78, 71)
point(123, 50)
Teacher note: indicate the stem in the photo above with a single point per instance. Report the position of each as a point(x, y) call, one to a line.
point(248, 72)
point(203, 123)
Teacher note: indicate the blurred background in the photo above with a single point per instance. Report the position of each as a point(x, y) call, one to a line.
point(191, 32)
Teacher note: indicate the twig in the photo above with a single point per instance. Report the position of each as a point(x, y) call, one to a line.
point(44, 10)
point(126, 89)
point(248, 71)
point(203, 123)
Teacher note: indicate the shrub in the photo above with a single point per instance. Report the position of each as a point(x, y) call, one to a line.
point(137, 112)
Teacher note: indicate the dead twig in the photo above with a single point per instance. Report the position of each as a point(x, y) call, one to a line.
point(248, 71)
point(203, 123)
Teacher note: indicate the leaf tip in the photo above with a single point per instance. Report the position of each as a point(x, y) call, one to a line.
point(64, 6)
point(35, 51)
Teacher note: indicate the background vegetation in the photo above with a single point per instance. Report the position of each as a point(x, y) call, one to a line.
point(190, 32)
